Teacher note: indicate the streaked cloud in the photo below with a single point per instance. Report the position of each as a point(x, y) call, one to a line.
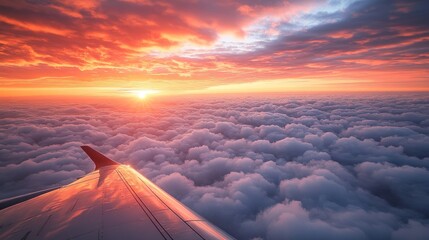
point(381, 45)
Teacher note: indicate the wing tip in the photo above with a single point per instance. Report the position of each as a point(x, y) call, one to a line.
point(99, 159)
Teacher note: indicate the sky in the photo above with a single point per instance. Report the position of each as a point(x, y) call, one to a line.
point(112, 47)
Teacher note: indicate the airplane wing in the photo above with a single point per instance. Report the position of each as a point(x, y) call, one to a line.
point(112, 202)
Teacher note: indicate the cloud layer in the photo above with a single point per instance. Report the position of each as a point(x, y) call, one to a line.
point(295, 167)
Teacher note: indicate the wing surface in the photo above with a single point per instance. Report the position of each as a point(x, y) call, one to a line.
point(113, 202)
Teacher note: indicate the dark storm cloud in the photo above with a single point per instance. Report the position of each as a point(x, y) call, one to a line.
point(332, 167)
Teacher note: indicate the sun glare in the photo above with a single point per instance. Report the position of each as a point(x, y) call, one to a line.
point(142, 94)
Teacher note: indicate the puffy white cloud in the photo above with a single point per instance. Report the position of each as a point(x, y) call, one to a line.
point(274, 168)
point(289, 220)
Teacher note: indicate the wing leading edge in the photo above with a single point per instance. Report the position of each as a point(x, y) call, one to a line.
point(112, 202)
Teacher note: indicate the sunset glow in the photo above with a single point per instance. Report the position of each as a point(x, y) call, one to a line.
point(142, 94)
point(185, 47)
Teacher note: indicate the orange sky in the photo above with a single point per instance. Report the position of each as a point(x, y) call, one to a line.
point(81, 47)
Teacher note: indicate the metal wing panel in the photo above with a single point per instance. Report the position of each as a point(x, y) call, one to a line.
point(177, 207)
point(177, 215)
point(97, 205)
point(169, 224)
point(113, 202)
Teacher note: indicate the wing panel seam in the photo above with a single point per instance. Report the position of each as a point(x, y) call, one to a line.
point(143, 207)
point(172, 210)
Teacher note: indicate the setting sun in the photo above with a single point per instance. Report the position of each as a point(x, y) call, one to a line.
point(142, 94)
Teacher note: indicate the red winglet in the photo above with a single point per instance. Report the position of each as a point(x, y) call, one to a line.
point(99, 159)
